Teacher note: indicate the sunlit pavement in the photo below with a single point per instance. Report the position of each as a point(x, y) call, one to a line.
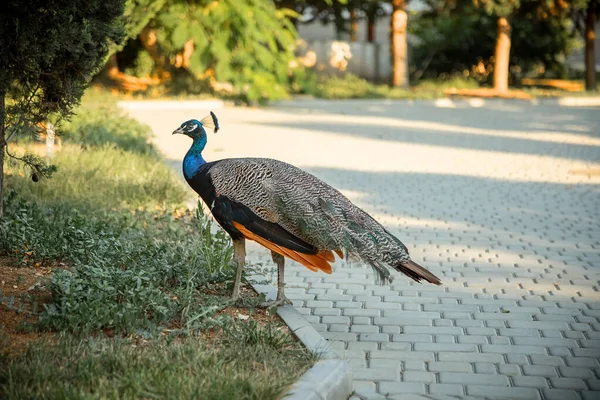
point(499, 199)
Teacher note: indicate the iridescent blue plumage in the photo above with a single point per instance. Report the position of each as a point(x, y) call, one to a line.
point(193, 160)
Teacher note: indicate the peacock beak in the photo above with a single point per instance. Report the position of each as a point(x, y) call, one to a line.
point(178, 130)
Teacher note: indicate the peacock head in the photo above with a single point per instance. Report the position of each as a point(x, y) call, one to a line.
point(195, 129)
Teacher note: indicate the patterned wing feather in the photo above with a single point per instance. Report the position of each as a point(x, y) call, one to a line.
point(315, 212)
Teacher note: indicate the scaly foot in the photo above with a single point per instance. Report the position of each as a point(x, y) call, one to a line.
point(276, 303)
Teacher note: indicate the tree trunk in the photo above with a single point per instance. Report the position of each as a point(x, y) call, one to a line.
point(338, 20)
point(590, 39)
point(353, 26)
point(371, 27)
point(502, 55)
point(2, 145)
point(399, 45)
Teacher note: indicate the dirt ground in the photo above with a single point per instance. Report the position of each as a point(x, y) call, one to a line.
point(17, 324)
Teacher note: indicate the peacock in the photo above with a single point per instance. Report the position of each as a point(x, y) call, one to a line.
point(290, 212)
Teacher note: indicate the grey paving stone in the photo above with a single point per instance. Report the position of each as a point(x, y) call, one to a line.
point(377, 374)
point(474, 339)
point(442, 366)
point(414, 365)
point(509, 369)
point(568, 383)
point(402, 355)
point(412, 338)
point(361, 312)
point(465, 215)
point(560, 394)
point(530, 381)
point(447, 389)
point(540, 370)
point(418, 376)
point(560, 351)
point(374, 337)
point(512, 349)
point(573, 372)
point(485, 368)
point(585, 362)
point(329, 312)
point(520, 359)
point(475, 379)
point(445, 347)
point(364, 329)
point(338, 328)
point(346, 337)
point(363, 346)
point(401, 387)
point(432, 330)
point(404, 346)
point(503, 392)
point(548, 342)
point(589, 395)
point(537, 359)
point(471, 357)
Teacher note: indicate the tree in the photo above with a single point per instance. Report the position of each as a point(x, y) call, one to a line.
point(399, 47)
point(502, 10)
point(590, 39)
point(49, 49)
point(247, 43)
point(586, 14)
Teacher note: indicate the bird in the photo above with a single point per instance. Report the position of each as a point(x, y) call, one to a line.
point(290, 212)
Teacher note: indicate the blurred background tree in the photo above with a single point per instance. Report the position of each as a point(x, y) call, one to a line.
point(245, 48)
point(585, 15)
point(463, 37)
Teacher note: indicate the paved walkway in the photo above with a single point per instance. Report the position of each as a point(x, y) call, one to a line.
point(501, 200)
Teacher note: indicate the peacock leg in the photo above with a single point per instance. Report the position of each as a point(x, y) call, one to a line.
point(239, 258)
point(281, 299)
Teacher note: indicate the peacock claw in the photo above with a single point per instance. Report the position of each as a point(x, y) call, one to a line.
point(275, 303)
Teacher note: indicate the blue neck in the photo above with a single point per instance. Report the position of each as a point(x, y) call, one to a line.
point(193, 159)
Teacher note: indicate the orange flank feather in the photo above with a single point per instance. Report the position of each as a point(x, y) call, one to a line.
point(326, 255)
point(314, 262)
point(339, 253)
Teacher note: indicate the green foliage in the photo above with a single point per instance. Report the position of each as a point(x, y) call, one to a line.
point(132, 266)
point(143, 65)
point(460, 38)
point(250, 333)
point(129, 263)
point(246, 42)
point(138, 13)
point(48, 52)
point(128, 369)
point(499, 8)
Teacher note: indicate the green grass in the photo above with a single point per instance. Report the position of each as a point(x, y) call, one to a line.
point(231, 368)
point(133, 264)
point(352, 87)
point(102, 177)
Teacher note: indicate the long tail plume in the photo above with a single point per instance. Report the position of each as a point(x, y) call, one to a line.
point(416, 272)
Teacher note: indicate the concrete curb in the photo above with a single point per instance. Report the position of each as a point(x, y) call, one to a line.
point(331, 377)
